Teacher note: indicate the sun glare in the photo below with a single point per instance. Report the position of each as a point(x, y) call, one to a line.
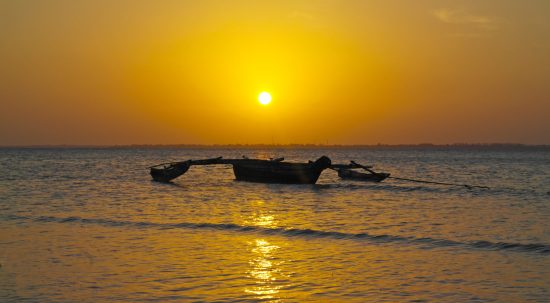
point(264, 98)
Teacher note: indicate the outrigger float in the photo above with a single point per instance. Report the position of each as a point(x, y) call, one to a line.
point(270, 171)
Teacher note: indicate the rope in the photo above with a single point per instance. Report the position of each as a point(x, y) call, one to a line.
point(440, 183)
point(367, 168)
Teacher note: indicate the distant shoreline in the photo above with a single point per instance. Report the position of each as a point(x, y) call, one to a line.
point(426, 146)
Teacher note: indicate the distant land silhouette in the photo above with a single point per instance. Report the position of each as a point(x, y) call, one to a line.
point(427, 146)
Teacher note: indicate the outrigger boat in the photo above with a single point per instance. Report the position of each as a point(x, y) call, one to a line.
point(277, 171)
point(270, 171)
point(252, 170)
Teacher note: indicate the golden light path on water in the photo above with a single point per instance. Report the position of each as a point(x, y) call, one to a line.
point(263, 263)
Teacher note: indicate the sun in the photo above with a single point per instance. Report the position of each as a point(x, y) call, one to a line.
point(264, 98)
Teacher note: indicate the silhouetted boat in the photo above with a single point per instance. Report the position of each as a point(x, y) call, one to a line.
point(277, 171)
point(354, 175)
point(252, 170)
point(270, 171)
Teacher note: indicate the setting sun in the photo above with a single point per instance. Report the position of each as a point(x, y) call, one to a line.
point(264, 98)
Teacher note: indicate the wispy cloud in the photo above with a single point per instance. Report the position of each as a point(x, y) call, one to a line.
point(450, 16)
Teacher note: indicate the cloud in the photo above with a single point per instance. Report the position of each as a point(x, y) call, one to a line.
point(449, 16)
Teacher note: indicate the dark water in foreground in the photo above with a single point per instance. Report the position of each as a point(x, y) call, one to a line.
point(89, 226)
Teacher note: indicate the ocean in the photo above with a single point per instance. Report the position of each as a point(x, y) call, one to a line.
point(89, 225)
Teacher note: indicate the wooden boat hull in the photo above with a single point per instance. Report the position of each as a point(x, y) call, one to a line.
point(265, 171)
point(353, 175)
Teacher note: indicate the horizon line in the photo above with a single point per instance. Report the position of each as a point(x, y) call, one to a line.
point(289, 145)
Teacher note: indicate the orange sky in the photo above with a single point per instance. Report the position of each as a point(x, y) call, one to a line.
point(340, 72)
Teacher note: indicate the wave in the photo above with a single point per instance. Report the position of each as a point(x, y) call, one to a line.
point(296, 232)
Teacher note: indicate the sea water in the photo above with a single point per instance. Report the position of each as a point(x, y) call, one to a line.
point(89, 225)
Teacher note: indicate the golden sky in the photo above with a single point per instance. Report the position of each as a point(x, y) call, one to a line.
point(340, 72)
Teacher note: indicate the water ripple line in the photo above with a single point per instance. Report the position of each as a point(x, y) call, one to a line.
point(538, 248)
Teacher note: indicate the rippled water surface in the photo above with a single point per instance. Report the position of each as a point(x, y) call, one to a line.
point(89, 225)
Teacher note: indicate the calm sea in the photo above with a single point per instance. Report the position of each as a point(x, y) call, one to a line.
point(89, 225)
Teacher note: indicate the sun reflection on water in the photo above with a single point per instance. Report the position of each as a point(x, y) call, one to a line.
point(260, 217)
point(263, 270)
point(263, 262)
